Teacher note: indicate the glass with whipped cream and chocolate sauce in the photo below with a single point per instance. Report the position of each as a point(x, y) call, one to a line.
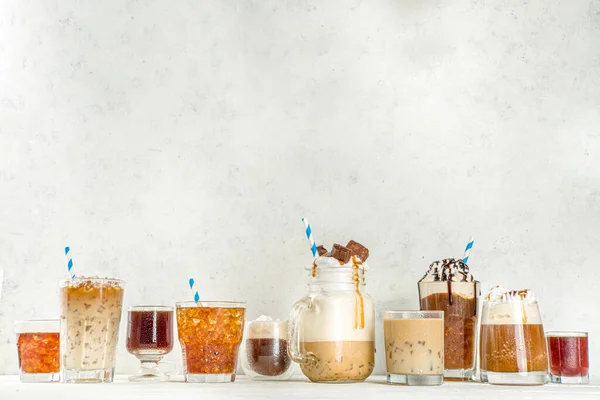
point(332, 329)
point(513, 345)
point(449, 287)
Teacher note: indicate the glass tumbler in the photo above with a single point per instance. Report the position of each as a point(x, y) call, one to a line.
point(414, 347)
point(38, 345)
point(513, 345)
point(569, 357)
point(90, 318)
point(460, 303)
point(210, 333)
point(264, 351)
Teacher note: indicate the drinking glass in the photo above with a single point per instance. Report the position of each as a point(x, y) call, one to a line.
point(210, 333)
point(513, 345)
point(90, 317)
point(460, 303)
point(569, 357)
point(38, 345)
point(150, 338)
point(264, 351)
point(414, 347)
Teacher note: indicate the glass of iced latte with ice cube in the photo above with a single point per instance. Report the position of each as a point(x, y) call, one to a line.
point(90, 317)
point(414, 347)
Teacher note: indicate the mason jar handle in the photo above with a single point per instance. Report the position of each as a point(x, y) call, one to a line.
point(294, 332)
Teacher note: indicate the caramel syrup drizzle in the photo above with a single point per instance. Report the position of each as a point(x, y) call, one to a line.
point(359, 307)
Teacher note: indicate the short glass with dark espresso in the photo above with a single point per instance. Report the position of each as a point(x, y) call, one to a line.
point(449, 287)
point(264, 350)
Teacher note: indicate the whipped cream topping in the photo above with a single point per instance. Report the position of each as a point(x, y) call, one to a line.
point(500, 294)
point(448, 269)
point(324, 261)
point(265, 327)
point(510, 307)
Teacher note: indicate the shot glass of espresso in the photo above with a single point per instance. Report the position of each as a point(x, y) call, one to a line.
point(150, 338)
point(569, 357)
point(264, 350)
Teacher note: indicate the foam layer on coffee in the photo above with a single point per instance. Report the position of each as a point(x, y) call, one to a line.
point(509, 307)
point(332, 319)
point(266, 328)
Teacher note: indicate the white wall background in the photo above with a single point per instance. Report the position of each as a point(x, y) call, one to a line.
point(163, 140)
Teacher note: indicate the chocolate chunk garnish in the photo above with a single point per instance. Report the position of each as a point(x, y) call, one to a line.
point(322, 250)
point(341, 253)
point(358, 250)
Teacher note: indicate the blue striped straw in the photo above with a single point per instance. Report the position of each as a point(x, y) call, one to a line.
point(69, 262)
point(196, 295)
point(311, 239)
point(468, 250)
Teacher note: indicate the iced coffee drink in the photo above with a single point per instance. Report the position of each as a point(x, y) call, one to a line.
point(449, 287)
point(332, 329)
point(264, 354)
point(513, 344)
point(90, 317)
point(414, 347)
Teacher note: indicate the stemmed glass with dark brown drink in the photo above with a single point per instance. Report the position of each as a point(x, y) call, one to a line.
point(150, 338)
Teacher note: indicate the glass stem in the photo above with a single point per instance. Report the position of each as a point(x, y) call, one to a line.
point(150, 368)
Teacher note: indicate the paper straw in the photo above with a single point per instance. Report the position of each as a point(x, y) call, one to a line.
point(311, 239)
point(196, 295)
point(468, 250)
point(69, 263)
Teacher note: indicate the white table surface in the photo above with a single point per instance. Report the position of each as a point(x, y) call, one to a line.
point(243, 388)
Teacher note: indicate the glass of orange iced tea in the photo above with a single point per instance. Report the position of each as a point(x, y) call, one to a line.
point(210, 334)
point(38, 345)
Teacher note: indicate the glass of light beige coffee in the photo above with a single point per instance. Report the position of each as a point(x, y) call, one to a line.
point(414, 347)
point(90, 317)
point(332, 329)
point(513, 345)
